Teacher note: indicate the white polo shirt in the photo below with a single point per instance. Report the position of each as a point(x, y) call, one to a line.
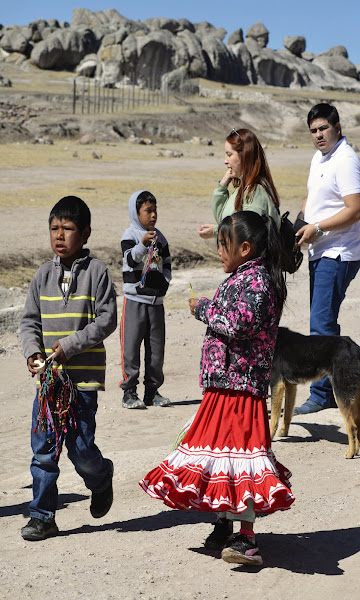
point(332, 177)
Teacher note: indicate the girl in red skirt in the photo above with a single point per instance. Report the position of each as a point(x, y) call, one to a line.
point(224, 463)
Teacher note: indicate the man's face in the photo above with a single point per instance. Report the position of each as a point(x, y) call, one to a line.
point(324, 135)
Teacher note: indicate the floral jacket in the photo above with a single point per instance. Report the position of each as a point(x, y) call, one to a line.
point(242, 322)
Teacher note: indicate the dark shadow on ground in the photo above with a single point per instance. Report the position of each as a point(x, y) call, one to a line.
point(185, 402)
point(308, 553)
point(313, 552)
point(317, 432)
point(23, 508)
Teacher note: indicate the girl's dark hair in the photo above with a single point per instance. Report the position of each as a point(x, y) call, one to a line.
point(145, 196)
point(254, 167)
point(263, 235)
point(74, 209)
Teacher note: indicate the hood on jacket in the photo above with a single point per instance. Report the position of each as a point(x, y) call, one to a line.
point(134, 217)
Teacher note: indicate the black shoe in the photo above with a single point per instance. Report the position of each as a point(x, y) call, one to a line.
point(132, 400)
point(36, 529)
point(222, 533)
point(242, 549)
point(155, 399)
point(101, 501)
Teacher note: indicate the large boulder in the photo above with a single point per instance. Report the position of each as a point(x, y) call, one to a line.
point(337, 63)
point(296, 44)
point(204, 29)
point(221, 62)
point(245, 69)
point(259, 33)
point(16, 39)
point(196, 62)
point(336, 51)
point(64, 49)
point(84, 16)
point(145, 57)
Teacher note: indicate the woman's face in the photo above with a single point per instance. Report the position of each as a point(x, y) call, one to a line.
point(232, 160)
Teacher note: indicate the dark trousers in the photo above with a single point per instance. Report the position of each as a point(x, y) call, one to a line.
point(142, 323)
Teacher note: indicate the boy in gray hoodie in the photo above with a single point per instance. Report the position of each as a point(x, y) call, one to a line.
point(146, 277)
point(70, 309)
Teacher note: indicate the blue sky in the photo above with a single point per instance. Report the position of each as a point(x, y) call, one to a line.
point(323, 24)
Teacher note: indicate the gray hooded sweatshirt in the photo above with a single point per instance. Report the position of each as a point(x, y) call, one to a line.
point(80, 319)
point(134, 257)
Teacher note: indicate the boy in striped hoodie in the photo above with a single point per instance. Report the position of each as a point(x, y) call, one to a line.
point(70, 309)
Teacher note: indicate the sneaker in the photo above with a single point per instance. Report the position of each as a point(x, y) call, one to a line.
point(101, 501)
point(242, 549)
point(310, 406)
point(155, 399)
point(132, 400)
point(37, 529)
point(222, 533)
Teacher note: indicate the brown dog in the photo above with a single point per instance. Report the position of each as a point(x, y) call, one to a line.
point(301, 358)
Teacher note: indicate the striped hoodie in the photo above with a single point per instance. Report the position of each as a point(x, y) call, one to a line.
point(134, 256)
point(79, 319)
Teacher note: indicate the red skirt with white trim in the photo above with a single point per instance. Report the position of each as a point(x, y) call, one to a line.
point(224, 460)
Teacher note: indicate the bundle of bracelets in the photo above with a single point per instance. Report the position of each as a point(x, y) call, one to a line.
point(57, 398)
point(147, 263)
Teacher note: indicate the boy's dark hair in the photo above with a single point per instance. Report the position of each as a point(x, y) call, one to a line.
point(323, 111)
point(74, 209)
point(144, 197)
point(262, 233)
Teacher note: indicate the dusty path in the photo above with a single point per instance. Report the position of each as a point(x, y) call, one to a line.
point(141, 549)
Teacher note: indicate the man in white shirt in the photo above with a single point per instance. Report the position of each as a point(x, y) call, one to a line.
point(332, 211)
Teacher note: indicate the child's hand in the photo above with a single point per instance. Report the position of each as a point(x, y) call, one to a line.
point(59, 355)
point(33, 367)
point(149, 237)
point(192, 303)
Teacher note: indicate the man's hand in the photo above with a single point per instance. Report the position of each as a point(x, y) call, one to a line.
point(306, 234)
point(59, 355)
point(192, 303)
point(149, 237)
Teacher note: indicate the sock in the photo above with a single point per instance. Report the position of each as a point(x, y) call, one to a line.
point(247, 532)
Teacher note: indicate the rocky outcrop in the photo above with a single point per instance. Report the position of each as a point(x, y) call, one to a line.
point(155, 52)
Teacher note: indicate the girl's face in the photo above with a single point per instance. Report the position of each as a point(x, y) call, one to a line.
point(232, 160)
point(232, 259)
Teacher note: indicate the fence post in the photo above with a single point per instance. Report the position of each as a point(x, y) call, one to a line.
point(74, 96)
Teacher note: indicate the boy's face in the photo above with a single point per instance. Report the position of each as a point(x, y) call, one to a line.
point(66, 240)
point(148, 215)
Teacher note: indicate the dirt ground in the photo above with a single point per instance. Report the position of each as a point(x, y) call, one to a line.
point(142, 549)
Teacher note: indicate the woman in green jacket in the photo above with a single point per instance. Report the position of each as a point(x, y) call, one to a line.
point(247, 169)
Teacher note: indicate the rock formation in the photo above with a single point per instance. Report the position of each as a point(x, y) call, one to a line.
point(161, 51)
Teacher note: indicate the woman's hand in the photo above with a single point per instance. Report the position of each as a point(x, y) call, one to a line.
point(226, 178)
point(206, 232)
point(192, 303)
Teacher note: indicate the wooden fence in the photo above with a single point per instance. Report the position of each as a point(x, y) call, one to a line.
point(89, 97)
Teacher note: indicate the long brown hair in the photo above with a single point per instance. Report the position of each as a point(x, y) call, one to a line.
point(254, 167)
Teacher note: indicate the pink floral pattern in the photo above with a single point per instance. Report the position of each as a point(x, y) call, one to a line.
point(242, 322)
